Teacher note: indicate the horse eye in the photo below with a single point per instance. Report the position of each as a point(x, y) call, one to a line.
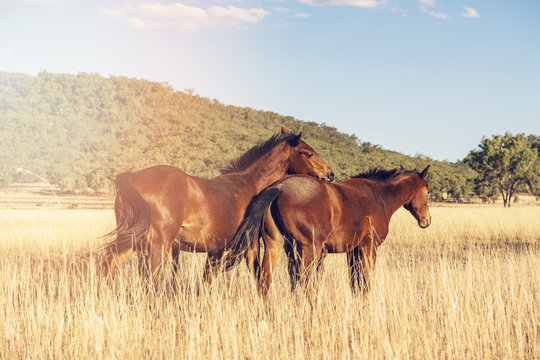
point(309, 155)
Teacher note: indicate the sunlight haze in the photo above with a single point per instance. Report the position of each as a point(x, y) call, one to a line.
point(424, 77)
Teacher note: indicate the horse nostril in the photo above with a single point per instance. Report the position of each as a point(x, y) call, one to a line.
point(331, 176)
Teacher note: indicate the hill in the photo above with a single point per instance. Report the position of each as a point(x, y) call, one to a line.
point(78, 131)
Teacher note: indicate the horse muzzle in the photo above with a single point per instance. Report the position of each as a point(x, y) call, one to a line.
point(424, 223)
point(326, 177)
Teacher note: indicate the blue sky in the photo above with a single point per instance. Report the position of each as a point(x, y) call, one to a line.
point(424, 77)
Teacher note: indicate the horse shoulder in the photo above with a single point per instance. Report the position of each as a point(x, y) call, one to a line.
point(363, 213)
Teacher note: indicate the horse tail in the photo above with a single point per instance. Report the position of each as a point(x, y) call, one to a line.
point(250, 229)
point(132, 219)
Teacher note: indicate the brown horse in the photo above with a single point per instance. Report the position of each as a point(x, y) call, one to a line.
point(309, 217)
point(158, 205)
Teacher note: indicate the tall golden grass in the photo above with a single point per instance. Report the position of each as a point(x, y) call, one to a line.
point(466, 287)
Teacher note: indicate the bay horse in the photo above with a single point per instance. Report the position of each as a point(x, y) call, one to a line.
point(160, 204)
point(309, 218)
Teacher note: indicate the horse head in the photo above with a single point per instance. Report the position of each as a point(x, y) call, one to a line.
point(304, 160)
point(418, 205)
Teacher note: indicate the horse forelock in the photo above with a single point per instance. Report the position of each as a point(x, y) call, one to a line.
point(256, 152)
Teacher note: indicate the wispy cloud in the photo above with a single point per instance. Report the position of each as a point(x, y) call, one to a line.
point(355, 3)
point(185, 18)
point(301, 15)
point(427, 5)
point(6, 52)
point(296, 14)
point(470, 13)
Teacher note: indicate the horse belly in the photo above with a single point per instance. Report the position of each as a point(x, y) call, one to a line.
point(340, 243)
point(198, 239)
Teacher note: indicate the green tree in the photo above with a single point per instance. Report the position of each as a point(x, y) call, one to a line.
point(458, 187)
point(504, 161)
point(534, 184)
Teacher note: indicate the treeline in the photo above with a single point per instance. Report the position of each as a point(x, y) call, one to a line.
point(78, 131)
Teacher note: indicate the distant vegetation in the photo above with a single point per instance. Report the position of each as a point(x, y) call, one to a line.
point(78, 131)
point(504, 164)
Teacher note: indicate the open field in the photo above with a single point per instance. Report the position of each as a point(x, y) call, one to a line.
point(45, 196)
point(466, 287)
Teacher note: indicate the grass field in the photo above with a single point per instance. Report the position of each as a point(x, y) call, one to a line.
point(466, 287)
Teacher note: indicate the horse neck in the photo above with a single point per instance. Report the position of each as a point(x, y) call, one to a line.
point(399, 191)
point(268, 169)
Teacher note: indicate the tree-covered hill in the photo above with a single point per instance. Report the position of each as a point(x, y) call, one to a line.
point(78, 131)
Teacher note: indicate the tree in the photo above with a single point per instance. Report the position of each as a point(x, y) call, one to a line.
point(458, 187)
point(534, 184)
point(505, 162)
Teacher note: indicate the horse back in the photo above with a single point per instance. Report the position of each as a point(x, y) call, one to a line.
point(159, 183)
point(339, 215)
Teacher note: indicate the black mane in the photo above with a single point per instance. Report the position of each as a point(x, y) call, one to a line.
point(379, 174)
point(256, 152)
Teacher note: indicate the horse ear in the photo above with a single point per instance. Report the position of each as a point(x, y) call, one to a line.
point(284, 131)
point(423, 175)
point(294, 142)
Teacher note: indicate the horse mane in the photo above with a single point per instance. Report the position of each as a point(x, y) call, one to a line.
point(382, 175)
point(256, 152)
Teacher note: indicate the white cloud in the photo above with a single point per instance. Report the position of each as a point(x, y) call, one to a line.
point(430, 3)
point(356, 3)
point(439, 15)
point(6, 52)
point(435, 14)
point(115, 14)
point(140, 23)
point(283, 10)
point(301, 15)
point(470, 13)
point(296, 14)
point(185, 18)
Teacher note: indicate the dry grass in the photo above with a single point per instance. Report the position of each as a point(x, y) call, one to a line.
point(467, 287)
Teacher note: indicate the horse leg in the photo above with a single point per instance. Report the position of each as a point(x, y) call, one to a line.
point(252, 259)
point(368, 263)
point(320, 264)
point(160, 244)
point(175, 251)
point(294, 255)
point(361, 261)
point(213, 262)
point(273, 241)
point(144, 261)
point(355, 260)
point(311, 254)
